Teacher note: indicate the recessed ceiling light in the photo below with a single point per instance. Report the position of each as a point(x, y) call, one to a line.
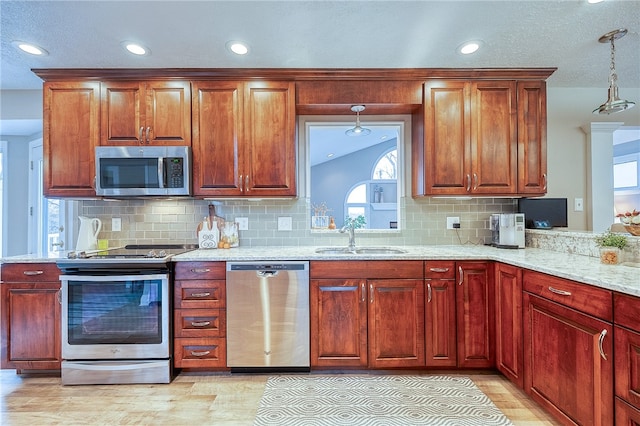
point(238, 47)
point(135, 48)
point(594, 1)
point(470, 47)
point(30, 48)
point(329, 155)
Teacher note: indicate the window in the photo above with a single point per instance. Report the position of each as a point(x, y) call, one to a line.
point(387, 166)
point(3, 149)
point(625, 175)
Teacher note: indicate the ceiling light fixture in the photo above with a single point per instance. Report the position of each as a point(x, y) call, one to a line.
point(614, 103)
point(238, 47)
point(135, 48)
point(358, 130)
point(29, 48)
point(469, 47)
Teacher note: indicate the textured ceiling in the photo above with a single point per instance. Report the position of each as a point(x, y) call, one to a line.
point(324, 34)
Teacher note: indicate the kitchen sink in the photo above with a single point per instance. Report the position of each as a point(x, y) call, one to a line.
point(359, 250)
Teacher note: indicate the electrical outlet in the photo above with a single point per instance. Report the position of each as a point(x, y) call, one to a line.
point(285, 223)
point(578, 205)
point(116, 224)
point(243, 223)
point(451, 221)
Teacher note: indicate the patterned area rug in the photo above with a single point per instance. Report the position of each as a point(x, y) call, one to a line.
point(376, 400)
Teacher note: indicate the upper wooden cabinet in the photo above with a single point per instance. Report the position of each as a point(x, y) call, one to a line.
point(244, 139)
point(481, 138)
point(145, 113)
point(532, 138)
point(470, 144)
point(70, 134)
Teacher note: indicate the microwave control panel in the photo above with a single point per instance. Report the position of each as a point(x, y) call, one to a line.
point(175, 172)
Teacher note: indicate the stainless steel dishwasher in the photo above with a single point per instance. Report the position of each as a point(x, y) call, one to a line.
point(268, 316)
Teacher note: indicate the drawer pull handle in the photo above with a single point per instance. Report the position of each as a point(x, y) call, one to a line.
point(461, 272)
point(363, 292)
point(370, 293)
point(200, 323)
point(560, 292)
point(205, 294)
point(600, 343)
point(31, 273)
point(200, 353)
point(439, 269)
point(468, 182)
point(428, 293)
point(200, 270)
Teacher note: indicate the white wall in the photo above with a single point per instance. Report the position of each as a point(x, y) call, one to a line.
point(568, 111)
point(21, 104)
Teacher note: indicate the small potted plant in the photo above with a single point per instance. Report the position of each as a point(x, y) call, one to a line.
point(611, 246)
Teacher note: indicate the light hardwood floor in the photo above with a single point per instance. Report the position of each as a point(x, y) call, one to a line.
point(191, 399)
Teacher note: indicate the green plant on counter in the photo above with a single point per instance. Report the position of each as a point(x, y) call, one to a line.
point(609, 239)
point(357, 222)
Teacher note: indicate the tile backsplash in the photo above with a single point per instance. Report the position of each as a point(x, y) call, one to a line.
point(422, 221)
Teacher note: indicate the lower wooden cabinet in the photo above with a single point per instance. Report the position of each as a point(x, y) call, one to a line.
point(200, 316)
point(626, 415)
point(360, 322)
point(627, 351)
point(30, 309)
point(508, 308)
point(569, 362)
point(475, 314)
point(440, 313)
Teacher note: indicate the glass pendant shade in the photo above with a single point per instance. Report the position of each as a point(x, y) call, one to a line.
point(613, 104)
point(358, 130)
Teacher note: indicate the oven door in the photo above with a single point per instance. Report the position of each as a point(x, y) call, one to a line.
point(115, 317)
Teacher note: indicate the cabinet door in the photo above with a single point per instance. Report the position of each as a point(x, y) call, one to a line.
point(532, 138)
point(493, 138)
point(440, 315)
point(338, 313)
point(70, 134)
point(509, 338)
point(168, 113)
point(447, 131)
point(396, 323)
point(217, 137)
point(270, 144)
point(31, 331)
point(476, 329)
point(627, 362)
point(568, 362)
point(148, 113)
point(122, 113)
point(626, 415)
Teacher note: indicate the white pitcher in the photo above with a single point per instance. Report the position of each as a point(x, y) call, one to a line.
point(88, 234)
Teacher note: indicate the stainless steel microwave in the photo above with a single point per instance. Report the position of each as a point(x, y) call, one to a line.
point(138, 171)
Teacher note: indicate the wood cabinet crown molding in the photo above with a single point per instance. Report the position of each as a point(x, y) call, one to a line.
point(297, 74)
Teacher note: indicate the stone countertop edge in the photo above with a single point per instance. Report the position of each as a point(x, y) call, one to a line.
point(584, 269)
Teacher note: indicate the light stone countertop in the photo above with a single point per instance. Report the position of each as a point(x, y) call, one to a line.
point(585, 269)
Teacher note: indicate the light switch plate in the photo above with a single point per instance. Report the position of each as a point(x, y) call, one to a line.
point(285, 223)
point(116, 224)
point(578, 205)
point(243, 223)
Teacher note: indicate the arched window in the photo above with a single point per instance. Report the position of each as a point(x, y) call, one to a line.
point(356, 203)
point(387, 166)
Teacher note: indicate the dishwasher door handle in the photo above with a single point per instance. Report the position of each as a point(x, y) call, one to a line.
point(267, 274)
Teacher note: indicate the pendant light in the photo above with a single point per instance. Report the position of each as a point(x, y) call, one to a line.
point(613, 104)
point(358, 130)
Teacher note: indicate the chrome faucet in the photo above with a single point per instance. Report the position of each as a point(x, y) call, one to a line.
point(350, 226)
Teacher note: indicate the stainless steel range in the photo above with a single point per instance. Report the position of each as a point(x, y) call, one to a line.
point(116, 316)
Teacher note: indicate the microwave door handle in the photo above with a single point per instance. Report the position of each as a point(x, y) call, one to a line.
point(162, 171)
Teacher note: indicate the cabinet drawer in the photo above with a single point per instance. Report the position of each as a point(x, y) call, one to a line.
point(200, 322)
point(200, 353)
point(199, 294)
point(626, 310)
point(30, 272)
point(362, 269)
point(440, 269)
point(200, 270)
point(590, 300)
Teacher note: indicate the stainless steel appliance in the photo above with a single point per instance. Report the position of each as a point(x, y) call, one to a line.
point(137, 171)
point(116, 316)
point(268, 316)
point(507, 230)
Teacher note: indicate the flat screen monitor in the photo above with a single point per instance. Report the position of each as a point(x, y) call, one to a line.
point(543, 213)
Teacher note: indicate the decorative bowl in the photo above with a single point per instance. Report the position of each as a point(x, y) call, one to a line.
point(633, 229)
